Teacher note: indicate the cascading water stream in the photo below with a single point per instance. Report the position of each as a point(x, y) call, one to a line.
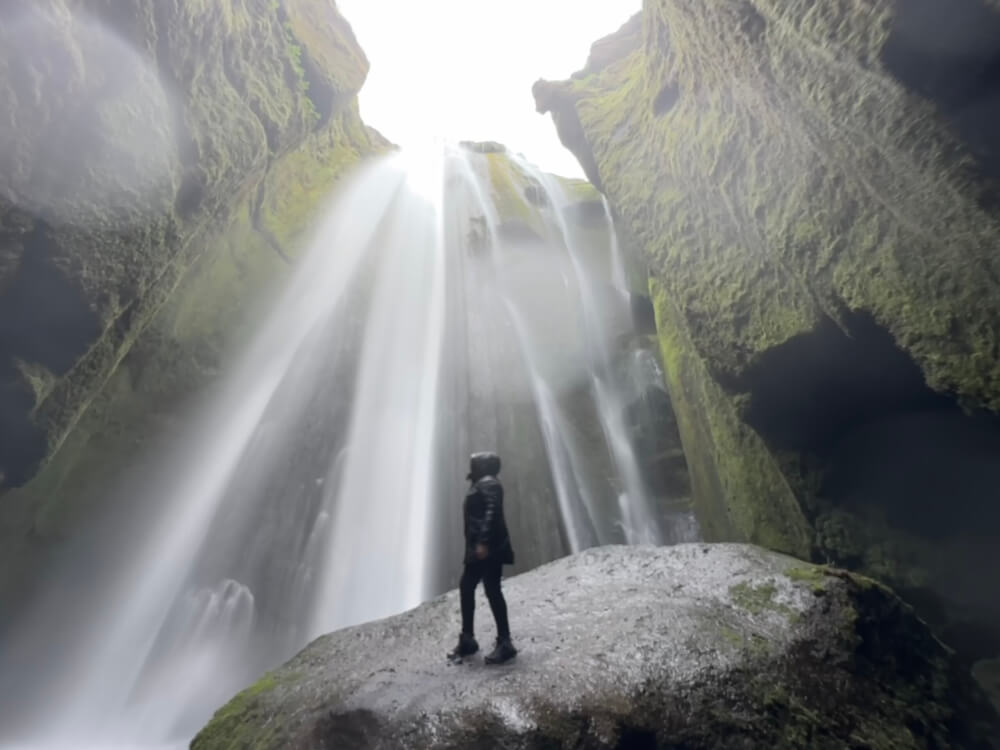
point(638, 521)
point(321, 485)
point(575, 504)
point(389, 446)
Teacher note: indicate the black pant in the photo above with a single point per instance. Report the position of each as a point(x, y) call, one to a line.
point(487, 571)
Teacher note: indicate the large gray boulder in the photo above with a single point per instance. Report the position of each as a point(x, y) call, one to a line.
point(695, 646)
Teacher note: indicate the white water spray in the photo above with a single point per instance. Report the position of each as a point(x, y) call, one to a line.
point(310, 493)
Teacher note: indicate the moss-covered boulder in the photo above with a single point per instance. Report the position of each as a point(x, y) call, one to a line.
point(160, 163)
point(814, 188)
point(695, 646)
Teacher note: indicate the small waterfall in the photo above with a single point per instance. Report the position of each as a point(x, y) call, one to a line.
point(377, 548)
point(321, 484)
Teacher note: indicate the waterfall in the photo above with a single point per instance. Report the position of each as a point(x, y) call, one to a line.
point(321, 484)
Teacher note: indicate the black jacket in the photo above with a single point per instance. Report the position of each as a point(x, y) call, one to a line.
point(484, 522)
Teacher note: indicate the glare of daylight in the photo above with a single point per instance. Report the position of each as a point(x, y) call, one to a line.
point(463, 69)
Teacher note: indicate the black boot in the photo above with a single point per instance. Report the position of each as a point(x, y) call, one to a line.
point(503, 652)
point(466, 647)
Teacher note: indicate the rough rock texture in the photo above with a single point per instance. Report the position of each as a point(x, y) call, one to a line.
point(987, 673)
point(133, 132)
point(159, 163)
point(696, 646)
point(814, 188)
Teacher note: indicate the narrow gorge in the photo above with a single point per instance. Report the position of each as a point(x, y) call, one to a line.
point(744, 379)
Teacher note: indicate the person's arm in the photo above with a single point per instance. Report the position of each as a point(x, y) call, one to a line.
point(493, 500)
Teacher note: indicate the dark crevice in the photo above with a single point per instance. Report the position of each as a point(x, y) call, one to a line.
point(352, 728)
point(752, 23)
point(809, 392)
point(320, 93)
point(57, 333)
point(667, 99)
point(536, 195)
point(317, 89)
point(190, 194)
point(22, 443)
point(631, 738)
point(859, 406)
point(949, 52)
point(643, 314)
point(912, 477)
point(54, 335)
point(261, 228)
point(652, 423)
point(933, 473)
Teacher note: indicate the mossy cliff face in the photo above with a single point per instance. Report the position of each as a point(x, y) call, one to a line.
point(814, 187)
point(134, 133)
point(159, 165)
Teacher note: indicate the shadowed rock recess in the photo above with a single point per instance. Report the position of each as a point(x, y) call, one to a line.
point(814, 188)
point(695, 646)
point(158, 161)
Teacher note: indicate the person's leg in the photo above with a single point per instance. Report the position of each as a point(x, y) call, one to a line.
point(467, 645)
point(471, 576)
point(491, 582)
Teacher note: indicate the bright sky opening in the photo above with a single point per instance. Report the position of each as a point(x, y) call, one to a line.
point(463, 69)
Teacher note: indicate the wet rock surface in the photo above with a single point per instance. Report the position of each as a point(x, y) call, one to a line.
point(694, 646)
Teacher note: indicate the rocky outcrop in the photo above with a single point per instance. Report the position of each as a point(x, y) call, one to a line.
point(814, 187)
point(694, 646)
point(159, 162)
point(134, 133)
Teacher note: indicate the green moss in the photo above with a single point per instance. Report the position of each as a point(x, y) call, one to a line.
point(299, 184)
point(815, 576)
point(754, 599)
point(508, 185)
point(759, 599)
point(242, 723)
point(579, 190)
point(739, 492)
point(293, 51)
point(731, 635)
point(338, 64)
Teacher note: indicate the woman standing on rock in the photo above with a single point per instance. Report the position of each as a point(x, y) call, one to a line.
point(487, 550)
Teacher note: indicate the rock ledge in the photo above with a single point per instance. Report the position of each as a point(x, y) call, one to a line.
point(695, 646)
